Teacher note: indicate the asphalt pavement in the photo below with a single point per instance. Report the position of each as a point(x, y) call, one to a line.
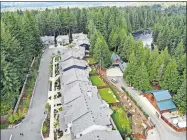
point(31, 126)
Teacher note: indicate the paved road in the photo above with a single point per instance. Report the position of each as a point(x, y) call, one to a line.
point(31, 126)
point(164, 131)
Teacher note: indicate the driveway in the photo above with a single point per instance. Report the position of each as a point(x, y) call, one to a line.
point(164, 131)
point(114, 71)
point(31, 126)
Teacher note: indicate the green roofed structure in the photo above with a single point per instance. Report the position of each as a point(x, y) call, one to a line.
point(161, 100)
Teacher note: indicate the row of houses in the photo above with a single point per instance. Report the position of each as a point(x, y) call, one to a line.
point(85, 115)
point(63, 40)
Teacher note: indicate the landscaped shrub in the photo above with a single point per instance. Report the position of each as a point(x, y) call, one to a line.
point(57, 58)
point(60, 109)
point(56, 124)
point(47, 106)
point(44, 129)
point(11, 119)
point(26, 103)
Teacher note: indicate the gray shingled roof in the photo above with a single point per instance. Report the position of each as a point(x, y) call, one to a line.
point(101, 135)
point(77, 52)
point(75, 109)
point(62, 38)
point(71, 92)
point(72, 62)
point(73, 75)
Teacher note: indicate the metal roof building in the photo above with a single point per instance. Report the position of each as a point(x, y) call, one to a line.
point(162, 100)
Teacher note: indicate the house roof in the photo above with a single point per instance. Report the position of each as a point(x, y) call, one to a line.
point(161, 95)
point(75, 109)
point(73, 75)
point(71, 92)
point(74, 52)
point(72, 62)
point(101, 135)
point(62, 38)
point(47, 38)
point(115, 57)
point(165, 105)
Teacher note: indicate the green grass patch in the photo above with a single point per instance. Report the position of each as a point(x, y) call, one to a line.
point(90, 60)
point(123, 123)
point(107, 95)
point(97, 81)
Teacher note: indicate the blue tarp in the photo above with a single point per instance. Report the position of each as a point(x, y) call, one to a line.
point(161, 95)
point(166, 105)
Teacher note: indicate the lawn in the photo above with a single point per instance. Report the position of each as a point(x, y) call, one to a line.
point(90, 60)
point(97, 81)
point(107, 95)
point(123, 123)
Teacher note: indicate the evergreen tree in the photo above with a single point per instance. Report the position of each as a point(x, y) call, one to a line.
point(180, 98)
point(129, 73)
point(141, 80)
point(170, 77)
point(101, 52)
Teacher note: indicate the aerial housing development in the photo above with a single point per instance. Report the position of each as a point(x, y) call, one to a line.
point(100, 73)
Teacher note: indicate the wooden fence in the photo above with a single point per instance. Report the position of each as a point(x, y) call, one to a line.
point(172, 126)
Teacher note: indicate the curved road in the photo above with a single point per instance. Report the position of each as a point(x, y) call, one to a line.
point(164, 131)
point(31, 126)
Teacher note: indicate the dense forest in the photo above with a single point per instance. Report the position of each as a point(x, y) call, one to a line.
point(110, 30)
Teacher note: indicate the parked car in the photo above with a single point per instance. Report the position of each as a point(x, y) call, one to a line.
point(114, 80)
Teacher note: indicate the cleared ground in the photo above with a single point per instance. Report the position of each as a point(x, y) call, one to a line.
point(97, 81)
point(107, 95)
point(115, 71)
